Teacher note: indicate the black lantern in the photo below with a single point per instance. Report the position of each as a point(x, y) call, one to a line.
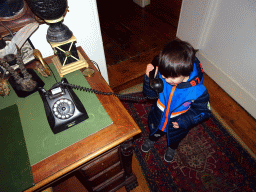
point(61, 39)
point(52, 11)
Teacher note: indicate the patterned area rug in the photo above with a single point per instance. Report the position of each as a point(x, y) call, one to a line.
point(208, 159)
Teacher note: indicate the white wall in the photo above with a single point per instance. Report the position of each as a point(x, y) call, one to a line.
point(82, 19)
point(225, 33)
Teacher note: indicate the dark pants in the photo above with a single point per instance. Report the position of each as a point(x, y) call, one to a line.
point(158, 134)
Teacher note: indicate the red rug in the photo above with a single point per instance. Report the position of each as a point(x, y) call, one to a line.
point(208, 159)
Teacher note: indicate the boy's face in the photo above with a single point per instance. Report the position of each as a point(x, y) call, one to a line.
point(175, 80)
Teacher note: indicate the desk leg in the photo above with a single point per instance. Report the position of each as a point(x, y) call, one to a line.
point(127, 152)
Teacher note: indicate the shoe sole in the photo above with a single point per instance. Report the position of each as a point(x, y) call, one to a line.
point(144, 150)
point(168, 161)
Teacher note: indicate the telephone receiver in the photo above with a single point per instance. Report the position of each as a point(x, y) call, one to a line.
point(155, 83)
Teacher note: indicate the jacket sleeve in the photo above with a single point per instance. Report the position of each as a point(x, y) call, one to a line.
point(199, 111)
point(147, 89)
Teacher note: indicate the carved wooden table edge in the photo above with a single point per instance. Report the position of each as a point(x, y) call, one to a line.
point(125, 143)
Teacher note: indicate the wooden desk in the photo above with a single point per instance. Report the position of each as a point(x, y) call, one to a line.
point(108, 152)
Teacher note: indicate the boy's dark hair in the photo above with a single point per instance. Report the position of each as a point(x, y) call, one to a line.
point(176, 59)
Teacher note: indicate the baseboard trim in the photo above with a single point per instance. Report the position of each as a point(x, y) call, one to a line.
point(229, 85)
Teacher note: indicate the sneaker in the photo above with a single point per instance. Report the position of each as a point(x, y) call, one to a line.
point(147, 145)
point(169, 155)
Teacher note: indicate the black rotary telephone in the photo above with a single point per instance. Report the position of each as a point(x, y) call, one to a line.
point(155, 83)
point(64, 109)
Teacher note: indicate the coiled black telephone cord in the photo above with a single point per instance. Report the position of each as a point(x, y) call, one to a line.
point(123, 97)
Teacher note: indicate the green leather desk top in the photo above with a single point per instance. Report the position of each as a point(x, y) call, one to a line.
point(15, 170)
point(40, 140)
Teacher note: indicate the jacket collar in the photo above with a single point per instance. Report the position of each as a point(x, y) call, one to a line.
point(195, 78)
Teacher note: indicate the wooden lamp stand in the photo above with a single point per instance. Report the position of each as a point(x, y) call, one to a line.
point(67, 58)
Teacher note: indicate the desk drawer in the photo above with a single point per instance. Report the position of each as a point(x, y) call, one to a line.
point(112, 184)
point(101, 163)
point(106, 174)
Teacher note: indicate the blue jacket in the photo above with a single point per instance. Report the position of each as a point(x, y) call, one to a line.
point(187, 104)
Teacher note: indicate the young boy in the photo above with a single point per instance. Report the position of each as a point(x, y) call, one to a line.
point(184, 101)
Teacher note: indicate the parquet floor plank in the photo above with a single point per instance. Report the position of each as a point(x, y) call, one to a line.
point(113, 51)
point(125, 38)
point(133, 68)
point(167, 11)
point(147, 27)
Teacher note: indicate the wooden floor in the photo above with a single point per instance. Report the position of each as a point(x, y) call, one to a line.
point(132, 36)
